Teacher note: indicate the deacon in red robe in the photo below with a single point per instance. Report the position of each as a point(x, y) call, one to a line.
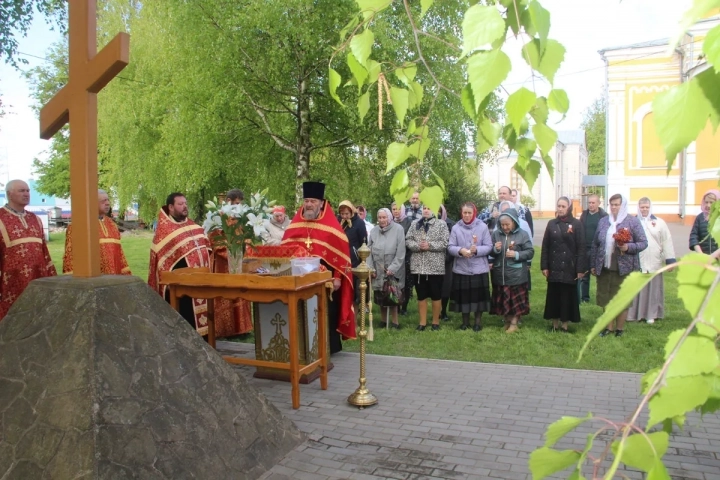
point(316, 228)
point(112, 257)
point(178, 243)
point(24, 254)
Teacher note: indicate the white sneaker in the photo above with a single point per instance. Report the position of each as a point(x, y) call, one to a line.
point(650, 321)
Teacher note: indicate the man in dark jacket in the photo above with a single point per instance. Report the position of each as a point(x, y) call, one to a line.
point(589, 219)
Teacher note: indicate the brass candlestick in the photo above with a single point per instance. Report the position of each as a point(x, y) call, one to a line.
point(362, 397)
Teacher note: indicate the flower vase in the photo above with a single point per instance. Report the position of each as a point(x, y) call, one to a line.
point(235, 261)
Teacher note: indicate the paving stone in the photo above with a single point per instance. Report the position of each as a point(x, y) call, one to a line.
point(461, 428)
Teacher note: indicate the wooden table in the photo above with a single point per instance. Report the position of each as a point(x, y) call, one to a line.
point(200, 283)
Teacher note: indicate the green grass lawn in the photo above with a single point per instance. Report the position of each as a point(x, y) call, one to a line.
point(640, 349)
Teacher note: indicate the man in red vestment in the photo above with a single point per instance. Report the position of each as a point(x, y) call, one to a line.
point(112, 257)
point(316, 228)
point(178, 243)
point(24, 254)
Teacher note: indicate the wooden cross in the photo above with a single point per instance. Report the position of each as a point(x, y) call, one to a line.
point(76, 104)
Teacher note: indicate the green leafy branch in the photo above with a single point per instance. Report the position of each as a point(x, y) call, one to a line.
point(689, 379)
point(483, 65)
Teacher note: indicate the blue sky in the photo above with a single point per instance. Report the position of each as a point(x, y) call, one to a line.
point(582, 26)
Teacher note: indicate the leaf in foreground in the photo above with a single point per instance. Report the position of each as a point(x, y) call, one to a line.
point(560, 428)
point(677, 396)
point(697, 355)
point(631, 286)
point(546, 461)
point(641, 451)
point(680, 115)
point(694, 279)
point(481, 26)
point(432, 197)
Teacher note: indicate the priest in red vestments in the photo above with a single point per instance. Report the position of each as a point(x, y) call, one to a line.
point(24, 254)
point(316, 228)
point(178, 243)
point(112, 257)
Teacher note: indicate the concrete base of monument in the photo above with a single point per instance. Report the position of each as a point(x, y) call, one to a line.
point(100, 378)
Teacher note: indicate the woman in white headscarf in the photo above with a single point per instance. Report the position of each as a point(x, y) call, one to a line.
point(612, 260)
point(650, 302)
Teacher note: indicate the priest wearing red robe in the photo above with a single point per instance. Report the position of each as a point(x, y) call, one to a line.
point(24, 254)
point(178, 243)
point(112, 257)
point(316, 228)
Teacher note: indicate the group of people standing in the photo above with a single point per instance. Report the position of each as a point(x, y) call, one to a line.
point(455, 262)
point(478, 264)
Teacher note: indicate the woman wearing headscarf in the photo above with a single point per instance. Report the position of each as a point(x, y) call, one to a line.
point(387, 257)
point(447, 280)
point(700, 239)
point(354, 228)
point(650, 302)
point(427, 239)
point(512, 249)
point(400, 217)
point(276, 226)
point(563, 260)
point(611, 261)
point(469, 246)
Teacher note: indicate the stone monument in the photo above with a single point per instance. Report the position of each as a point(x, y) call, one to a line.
point(124, 389)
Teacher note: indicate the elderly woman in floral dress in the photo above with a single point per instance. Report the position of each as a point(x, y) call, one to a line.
point(612, 260)
point(650, 302)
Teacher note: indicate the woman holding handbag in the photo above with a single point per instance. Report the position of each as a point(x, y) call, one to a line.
point(387, 258)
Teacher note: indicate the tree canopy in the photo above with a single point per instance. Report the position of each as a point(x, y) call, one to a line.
point(16, 16)
point(217, 97)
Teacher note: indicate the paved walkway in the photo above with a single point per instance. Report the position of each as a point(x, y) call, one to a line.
point(446, 419)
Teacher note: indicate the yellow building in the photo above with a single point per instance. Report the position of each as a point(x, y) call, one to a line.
point(635, 160)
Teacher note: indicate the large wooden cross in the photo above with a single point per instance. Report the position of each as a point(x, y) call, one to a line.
point(76, 104)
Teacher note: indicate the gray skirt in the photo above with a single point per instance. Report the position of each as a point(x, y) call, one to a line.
point(650, 302)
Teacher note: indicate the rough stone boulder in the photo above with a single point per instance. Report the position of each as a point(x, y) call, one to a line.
point(100, 378)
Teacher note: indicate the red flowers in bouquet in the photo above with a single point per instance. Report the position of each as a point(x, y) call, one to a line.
point(622, 237)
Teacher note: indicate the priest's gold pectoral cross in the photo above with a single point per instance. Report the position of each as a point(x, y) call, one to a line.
point(76, 103)
point(308, 243)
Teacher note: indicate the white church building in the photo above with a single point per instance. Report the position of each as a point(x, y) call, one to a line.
point(570, 160)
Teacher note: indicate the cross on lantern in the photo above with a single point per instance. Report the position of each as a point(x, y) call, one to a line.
point(76, 104)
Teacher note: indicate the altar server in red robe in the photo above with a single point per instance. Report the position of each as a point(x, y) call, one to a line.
point(24, 254)
point(112, 257)
point(178, 243)
point(317, 229)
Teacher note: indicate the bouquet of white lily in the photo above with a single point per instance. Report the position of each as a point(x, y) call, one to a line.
point(235, 226)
